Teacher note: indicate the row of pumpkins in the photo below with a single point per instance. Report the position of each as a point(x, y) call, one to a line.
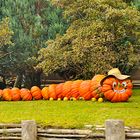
point(79, 89)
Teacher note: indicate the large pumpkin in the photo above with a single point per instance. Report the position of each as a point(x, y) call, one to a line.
point(85, 90)
point(52, 93)
point(58, 90)
point(97, 78)
point(25, 94)
point(7, 94)
point(15, 93)
point(66, 91)
point(75, 88)
point(45, 93)
point(95, 89)
point(96, 86)
point(116, 90)
point(36, 93)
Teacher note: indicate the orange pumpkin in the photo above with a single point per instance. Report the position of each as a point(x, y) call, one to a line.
point(25, 94)
point(58, 90)
point(45, 93)
point(7, 94)
point(97, 78)
point(95, 89)
point(36, 93)
point(75, 89)
point(85, 91)
point(116, 90)
point(52, 93)
point(96, 86)
point(15, 93)
point(66, 92)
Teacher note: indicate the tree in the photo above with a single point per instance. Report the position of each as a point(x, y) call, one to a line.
point(5, 40)
point(102, 34)
point(33, 22)
point(135, 3)
point(5, 33)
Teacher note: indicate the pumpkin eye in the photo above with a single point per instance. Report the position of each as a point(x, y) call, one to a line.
point(124, 84)
point(114, 84)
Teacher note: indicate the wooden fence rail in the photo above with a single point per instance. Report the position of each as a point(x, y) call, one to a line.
point(29, 130)
point(136, 83)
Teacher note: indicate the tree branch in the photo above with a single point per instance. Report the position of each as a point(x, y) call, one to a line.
point(6, 54)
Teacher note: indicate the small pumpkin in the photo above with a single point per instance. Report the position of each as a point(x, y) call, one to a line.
point(36, 93)
point(25, 94)
point(116, 90)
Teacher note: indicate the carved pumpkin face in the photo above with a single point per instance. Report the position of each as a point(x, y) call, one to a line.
point(116, 90)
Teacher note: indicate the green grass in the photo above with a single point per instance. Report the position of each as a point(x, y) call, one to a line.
point(72, 114)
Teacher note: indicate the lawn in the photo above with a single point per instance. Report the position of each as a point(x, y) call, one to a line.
point(72, 114)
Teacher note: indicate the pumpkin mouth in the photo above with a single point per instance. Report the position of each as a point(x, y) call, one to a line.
point(120, 91)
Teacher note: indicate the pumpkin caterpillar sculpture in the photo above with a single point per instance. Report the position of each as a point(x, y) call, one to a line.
point(115, 88)
point(111, 88)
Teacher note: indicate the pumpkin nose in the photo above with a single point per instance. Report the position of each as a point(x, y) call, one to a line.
point(119, 85)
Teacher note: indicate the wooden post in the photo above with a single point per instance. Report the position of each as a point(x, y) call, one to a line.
point(114, 130)
point(29, 130)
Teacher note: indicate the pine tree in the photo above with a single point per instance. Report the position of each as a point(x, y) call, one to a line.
point(33, 22)
point(5, 40)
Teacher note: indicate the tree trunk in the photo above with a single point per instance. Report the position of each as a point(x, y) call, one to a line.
point(36, 78)
point(19, 79)
point(26, 80)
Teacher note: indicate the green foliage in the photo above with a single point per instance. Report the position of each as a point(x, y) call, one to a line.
point(33, 22)
point(5, 40)
point(103, 34)
point(136, 3)
point(5, 33)
point(56, 23)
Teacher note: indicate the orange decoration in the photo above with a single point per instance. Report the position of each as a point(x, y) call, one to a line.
point(15, 93)
point(66, 92)
point(36, 93)
point(45, 93)
point(52, 93)
point(84, 90)
point(97, 78)
point(58, 90)
point(25, 94)
point(116, 90)
point(114, 87)
point(7, 94)
point(75, 89)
